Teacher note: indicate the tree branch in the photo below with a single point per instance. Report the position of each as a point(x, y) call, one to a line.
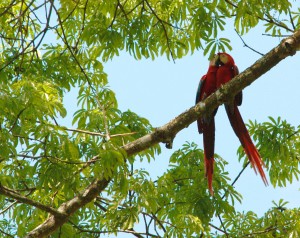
point(20, 198)
point(68, 208)
point(286, 48)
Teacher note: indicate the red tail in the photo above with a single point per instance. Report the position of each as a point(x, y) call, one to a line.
point(209, 148)
point(241, 131)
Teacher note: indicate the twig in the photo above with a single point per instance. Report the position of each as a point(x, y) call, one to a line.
point(5, 233)
point(217, 228)
point(245, 45)
point(119, 5)
point(47, 24)
point(237, 177)
point(114, 17)
point(147, 225)
point(295, 133)
point(159, 223)
point(123, 10)
point(291, 19)
point(83, 24)
point(222, 224)
point(28, 138)
point(240, 173)
point(18, 116)
point(20, 198)
point(265, 34)
point(8, 207)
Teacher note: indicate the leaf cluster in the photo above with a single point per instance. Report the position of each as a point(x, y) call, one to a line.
point(278, 143)
point(279, 221)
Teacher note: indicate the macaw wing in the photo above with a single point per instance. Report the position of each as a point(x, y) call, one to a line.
point(239, 96)
point(199, 96)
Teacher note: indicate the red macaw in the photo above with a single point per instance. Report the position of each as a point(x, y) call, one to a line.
point(226, 71)
point(206, 124)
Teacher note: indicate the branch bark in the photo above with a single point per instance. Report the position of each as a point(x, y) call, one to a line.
point(68, 208)
point(166, 133)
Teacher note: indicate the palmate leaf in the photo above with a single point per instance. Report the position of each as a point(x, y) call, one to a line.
point(279, 148)
point(217, 45)
point(274, 222)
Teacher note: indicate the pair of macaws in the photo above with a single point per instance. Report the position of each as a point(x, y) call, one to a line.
point(221, 70)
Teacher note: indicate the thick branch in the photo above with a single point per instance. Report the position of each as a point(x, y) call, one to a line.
point(68, 208)
point(167, 132)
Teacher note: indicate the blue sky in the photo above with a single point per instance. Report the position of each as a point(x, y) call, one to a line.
point(160, 90)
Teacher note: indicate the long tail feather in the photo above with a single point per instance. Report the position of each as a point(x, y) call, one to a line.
point(209, 149)
point(241, 131)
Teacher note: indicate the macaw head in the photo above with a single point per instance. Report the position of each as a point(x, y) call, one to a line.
point(214, 61)
point(225, 59)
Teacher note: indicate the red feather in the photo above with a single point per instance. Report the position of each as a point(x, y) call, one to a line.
point(209, 151)
point(225, 73)
point(206, 124)
point(241, 131)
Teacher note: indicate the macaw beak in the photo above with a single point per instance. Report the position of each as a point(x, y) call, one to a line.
point(218, 61)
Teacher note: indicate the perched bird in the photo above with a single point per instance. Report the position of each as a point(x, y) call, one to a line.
point(206, 124)
point(220, 71)
point(225, 72)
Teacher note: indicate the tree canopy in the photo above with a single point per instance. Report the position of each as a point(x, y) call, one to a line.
point(79, 181)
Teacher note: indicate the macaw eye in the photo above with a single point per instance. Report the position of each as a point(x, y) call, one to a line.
point(223, 58)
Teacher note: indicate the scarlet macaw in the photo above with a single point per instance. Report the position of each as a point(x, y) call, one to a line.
point(206, 125)
point(221, 70)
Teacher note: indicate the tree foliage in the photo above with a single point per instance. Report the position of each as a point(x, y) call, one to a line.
point(49, 48)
